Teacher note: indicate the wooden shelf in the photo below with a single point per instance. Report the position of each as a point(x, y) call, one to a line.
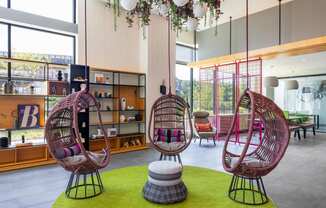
point(24, 157)
point(136, 148)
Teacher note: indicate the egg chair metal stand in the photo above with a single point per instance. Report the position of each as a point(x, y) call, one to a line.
point(63, 138)
point(254, 162)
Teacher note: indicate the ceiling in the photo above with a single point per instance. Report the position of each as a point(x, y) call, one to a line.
point(237, 9)
point(296, 65)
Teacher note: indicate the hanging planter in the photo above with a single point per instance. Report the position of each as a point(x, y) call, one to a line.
point(128, 4)
point(199, 9)
point(164, 10)
point(155, 9)
point(178, 11)
point(192, 24)
point(180, 3)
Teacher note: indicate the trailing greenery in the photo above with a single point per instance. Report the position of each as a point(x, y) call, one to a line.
point(178, 15)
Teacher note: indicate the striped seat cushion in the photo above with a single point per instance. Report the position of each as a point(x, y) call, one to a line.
point(164, 182)
point(165, 167)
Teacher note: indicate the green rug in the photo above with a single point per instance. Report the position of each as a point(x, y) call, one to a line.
point(123, 188)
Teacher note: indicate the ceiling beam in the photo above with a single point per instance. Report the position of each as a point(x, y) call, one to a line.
point(302, 47)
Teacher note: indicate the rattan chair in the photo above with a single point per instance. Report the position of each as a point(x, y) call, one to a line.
point(170, 126)
point(66, 146)
point(253, 162)
point(201, 117)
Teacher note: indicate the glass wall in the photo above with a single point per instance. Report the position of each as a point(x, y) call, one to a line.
point(309, 99)
point(183, 82)
point(30, 44)
point(3, 3)
point(3, 49)
point(56, 9)
point(3, 40)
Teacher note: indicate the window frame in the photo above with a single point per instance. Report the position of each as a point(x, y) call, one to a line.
point(35, 29)
point(74, 12)
point(194, 57)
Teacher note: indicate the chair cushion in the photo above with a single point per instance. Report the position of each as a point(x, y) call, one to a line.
point(307, 125)
point(165, 167)
point(97, 157)
point(201, 114)
point(64, 152)
point(78, 159)
point(248, 161)
point(168, 135)
point(74, 160)
point(169, 146)
point(203, 127)
point(164, 177)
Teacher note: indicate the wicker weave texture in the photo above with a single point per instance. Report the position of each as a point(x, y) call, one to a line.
point(274, 142)
point(62, 131)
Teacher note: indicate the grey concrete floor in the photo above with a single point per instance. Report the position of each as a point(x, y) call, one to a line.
point(298, 182)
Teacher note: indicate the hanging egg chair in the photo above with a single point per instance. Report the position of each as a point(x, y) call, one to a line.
point(170, 126)
point(65, 144)
point(249, 163)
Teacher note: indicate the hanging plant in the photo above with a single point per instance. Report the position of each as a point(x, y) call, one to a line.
point(181, 12)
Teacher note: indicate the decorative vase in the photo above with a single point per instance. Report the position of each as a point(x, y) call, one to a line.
point(9, 87)
point(180, 3)
point(122, 118)
point(128, 4)
point(199, 9)
point(192, 24)
point(123, 103)
point(59, 76)
point(164, 10)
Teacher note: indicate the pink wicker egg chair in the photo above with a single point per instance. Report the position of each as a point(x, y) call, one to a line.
point(170, 126)
point(253, 162)
point(66, 146)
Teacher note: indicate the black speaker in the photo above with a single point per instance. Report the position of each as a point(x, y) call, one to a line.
point(163, 89)
point(4, 142)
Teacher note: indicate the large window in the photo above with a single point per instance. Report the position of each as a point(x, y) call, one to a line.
point(184, 55)
point(30, 44)
point(3, 40)
point(183, 82)
point(57, 9)
point(3, 3)
point(3, 48)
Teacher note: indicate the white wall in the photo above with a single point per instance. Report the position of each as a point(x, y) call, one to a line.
point(109, 49)
point(126, 49)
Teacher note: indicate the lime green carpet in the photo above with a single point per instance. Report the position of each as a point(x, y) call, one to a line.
point(123, 188)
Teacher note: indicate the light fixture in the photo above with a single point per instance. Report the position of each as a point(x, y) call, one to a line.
point(271, 81)
point(306, 90)
point(292, 85)
point(322, 87)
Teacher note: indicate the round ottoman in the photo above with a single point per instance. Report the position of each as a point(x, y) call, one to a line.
point(164, 185)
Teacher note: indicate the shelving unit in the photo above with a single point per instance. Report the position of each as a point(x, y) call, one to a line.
point(26, 74)
point(42, 76)
point(109, 87)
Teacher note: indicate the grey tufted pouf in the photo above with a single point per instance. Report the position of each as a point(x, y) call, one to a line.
point(164, 185)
